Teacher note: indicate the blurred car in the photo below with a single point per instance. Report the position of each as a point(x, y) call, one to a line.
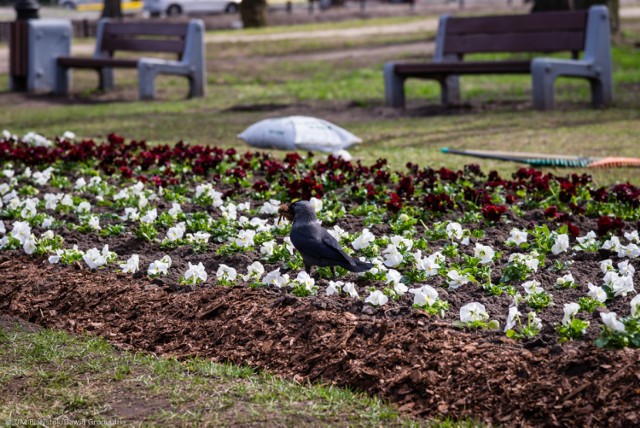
point(179, 7)
point(84, 5)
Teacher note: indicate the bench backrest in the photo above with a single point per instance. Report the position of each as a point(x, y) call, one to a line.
point(538, 32)
point(143, 37)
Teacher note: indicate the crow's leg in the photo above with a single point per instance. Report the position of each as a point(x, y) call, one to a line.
point(333, 271)
point(307, 268)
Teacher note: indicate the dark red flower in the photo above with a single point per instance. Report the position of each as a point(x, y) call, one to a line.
point(493, 212)
point(394, 204)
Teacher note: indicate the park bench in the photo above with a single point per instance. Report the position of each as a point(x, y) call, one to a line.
point(574, 31)
point(183, 39)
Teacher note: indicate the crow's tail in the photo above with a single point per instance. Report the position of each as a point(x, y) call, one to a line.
point(358, 266)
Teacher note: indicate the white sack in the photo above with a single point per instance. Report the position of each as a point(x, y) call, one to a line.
point(298, 132)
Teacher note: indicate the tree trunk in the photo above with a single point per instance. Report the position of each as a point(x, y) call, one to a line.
point(613, 5)
point(253, 13)
point(112, 9)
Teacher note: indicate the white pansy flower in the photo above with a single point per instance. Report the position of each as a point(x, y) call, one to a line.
point(484, 253)
point(456, 280)
point(392, 256)
point(377, 298)
point(316, 204)
point(94, 258)
point(338, 233)
point(132, 265)
point(606, 266)
point(635, 306)
point(254, 272)
point(29, 245)
point(401, 242)
point(566, 280)
point(150, 216)
point(195, 273)
point(626, 268)
point(29, 210)
point(611, 321)
point(275, 278)
point(570, 310)
point(175, 209)
point(424, 296)
point(2, 228)
point(597, 293)
point(334, 287)
point(473, 312)
point(266, 249)
point(532, 287)
point(305, 280)
point(47, 222)
point(630, 251)
point(245, 238)
point(160, 266)
point(561, 244)
point(176, 232)
point(612, 244)
point(428, 265)
point(512, 318)
point(80, 183)
point(350, 288)
point(270, 207)
point(363, 240)
point(51, 200)
point(131, 213)
point(517, 237)
point(622, 286)
point(94, 222)
point(226, 272)
point(393, 277)
point(454, 231)
point(632, 237)
point(21, 231)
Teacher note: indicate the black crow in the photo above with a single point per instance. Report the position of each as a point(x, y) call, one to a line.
point(315, 244)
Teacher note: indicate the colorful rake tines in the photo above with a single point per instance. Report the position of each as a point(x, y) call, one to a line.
point(552, 160)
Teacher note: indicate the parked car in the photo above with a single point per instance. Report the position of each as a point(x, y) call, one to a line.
point(84, 5)
point(179, 7)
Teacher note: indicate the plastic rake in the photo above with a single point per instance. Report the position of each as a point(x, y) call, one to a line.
point(551, 160)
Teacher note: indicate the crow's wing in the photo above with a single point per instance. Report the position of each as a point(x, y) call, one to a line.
point(314, 241)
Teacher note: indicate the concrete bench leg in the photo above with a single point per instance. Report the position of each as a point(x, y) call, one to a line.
point(61, 80)
point(393, 87)
point(106, 79)
point(542, 80)
point(196, 84)
point(450, 90)
point(146, 81)
point(601, 92)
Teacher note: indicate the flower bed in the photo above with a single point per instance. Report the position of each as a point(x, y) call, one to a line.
point(534, 260)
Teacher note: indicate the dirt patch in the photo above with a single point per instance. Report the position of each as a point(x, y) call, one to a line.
point(423, 364)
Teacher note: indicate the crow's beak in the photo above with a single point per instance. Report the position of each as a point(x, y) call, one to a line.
point(285, 212)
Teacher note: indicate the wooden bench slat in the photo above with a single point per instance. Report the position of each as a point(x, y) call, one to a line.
point(463, 67)
point(545, 42)
point(142, 45)
point(540, 22)
point(81, 62)
point(145, 29)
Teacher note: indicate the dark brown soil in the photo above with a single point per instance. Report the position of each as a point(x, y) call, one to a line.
point(422, 364)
